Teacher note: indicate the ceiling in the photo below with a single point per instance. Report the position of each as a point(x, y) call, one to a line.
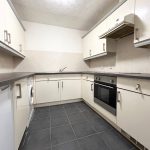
point(78, 14)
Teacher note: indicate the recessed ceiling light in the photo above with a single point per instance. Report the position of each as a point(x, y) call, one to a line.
point(64, 2)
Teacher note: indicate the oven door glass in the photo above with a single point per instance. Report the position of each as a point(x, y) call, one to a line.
point(105, 93)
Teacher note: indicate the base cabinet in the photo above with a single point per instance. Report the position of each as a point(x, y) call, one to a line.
point(21, 109)
point(47, 91)
point(88, 91)
point(133, 110)
point(70, 89)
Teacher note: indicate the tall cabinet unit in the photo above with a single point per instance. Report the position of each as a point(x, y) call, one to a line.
point(142, 24)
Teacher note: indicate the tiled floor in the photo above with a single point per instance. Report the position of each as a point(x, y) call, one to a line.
point(72, 127)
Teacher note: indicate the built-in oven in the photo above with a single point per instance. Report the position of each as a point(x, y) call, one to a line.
point(105, 92)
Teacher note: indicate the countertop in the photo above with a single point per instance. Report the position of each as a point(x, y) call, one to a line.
point(7, 78)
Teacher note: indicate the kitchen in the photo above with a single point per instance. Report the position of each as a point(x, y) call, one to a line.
point(74, 75)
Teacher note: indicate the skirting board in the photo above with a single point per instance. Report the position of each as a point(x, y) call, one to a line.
point(59, 102)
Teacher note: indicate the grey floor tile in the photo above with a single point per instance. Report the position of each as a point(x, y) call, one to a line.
point(74, 145)
point(57, 109)
point(83, 106)
point(83, 129)
point(71, 108)
point(115, 141)
point(39, 124)
point(62, 134)
point(99, 124)
point(94, 142)
point(59, 121)
point(38, 141)
point(76, 118)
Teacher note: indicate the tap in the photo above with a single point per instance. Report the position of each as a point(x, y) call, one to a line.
point(62, 69)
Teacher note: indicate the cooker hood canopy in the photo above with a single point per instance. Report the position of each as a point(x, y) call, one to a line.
point(125, 28)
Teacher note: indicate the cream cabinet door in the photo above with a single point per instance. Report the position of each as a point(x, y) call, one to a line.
point(142, 23)
point(88, 91)
point(70, 89)
point(47, 91)
point(132, 115)
point(21, 109)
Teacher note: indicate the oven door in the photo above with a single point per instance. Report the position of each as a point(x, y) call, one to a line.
point(105, 95)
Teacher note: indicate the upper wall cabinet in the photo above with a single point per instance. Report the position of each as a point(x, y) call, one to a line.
point(11, 31)
point(142, 23)
point(121, 22)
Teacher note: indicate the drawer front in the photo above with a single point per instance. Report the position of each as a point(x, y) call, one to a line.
point(88, 77)
point(135, 85)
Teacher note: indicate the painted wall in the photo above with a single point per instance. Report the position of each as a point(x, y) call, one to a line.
point(127, 59)
point(49, 48)
point(6, 63)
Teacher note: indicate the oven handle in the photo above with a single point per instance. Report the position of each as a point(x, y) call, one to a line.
point(104, 85)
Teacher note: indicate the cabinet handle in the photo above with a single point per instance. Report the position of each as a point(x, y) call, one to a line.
point(62, 84)
point(138, 86)
point(9, 38)
point(20, 47)
point(136, 34)
point(91, 87)
point(118, 97)
point(90, 52)
point(5, 36)
point(117, 19)
point(58, 85)
point(20, 93)
point(103, 46)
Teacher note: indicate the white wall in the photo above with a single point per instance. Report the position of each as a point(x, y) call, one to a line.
point(49, 48)
point(6, 63)
point(40, 37)
point(127, 59)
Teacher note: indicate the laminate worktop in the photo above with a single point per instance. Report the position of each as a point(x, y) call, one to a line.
point(7, 78)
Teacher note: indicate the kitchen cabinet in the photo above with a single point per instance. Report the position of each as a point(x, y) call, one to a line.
point(53, 88)
point(88, 88)
point(11, 32)
point(142, 24)
point(70, 89)
point(88, 91)
point(133, 109)
point(21, 109)
point(47, 91)
point(6, 119)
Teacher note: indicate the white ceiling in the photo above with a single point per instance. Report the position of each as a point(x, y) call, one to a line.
point(78, 14)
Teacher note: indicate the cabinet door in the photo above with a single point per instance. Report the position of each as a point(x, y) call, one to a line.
point(47, 91)
point(88, 91)
point(21, 109)
point(142, 23)
point(132, 115)
point(70, 89)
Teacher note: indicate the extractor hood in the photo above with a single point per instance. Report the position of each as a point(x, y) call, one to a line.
point(122, 29)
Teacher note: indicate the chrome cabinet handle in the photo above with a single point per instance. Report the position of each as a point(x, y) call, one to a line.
point(136, 34)
point(20, 93)
point(58, 85)
point(20, 47)
point(91, 87)
point(5, 36)
point(90, 52)
point(103, 46)
point(118, 97)
point(138, 86)
point(9, 38)
point(62, 84)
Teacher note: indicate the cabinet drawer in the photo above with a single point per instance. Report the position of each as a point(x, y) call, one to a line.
point(135, 85)
point(88, 77)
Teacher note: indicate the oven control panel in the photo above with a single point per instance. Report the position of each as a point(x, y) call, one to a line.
point(106, 79)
